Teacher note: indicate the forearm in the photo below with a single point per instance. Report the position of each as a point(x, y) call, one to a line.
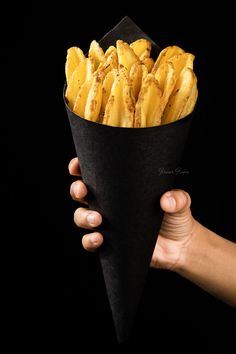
point(210, 262)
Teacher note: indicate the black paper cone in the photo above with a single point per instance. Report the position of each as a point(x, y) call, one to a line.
point(123, 170)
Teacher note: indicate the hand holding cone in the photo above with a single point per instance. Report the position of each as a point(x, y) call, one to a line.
point(123, 87)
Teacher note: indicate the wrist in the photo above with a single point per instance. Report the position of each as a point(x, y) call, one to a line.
point(194, 249)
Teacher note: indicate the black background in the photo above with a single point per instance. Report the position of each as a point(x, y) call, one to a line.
point(55, 295)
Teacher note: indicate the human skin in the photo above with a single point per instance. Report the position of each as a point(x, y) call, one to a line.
point(183, 245)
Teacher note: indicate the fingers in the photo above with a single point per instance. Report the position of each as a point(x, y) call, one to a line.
point(78, 191)
point(74, 167)
point(84, 218)
point(175, 201)
point(87, 219)
point(92, 241)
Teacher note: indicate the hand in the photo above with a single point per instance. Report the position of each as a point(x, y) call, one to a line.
point(177, 229)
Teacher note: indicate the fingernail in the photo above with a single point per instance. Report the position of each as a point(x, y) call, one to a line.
point(93, 238)
point(91, 218)
point(172, 202)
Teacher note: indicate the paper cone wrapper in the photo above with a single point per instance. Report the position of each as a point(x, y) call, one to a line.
point(126, 172)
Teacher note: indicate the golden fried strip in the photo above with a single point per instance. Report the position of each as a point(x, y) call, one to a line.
point(148, 109)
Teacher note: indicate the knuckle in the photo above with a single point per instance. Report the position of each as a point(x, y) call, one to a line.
point(87, 243)
point(92, 241)
point(75, 190)
point(71, 163)
point(72, 189)
point(78, 216)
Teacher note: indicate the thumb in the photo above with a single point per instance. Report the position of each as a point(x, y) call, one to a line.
point(175, 201)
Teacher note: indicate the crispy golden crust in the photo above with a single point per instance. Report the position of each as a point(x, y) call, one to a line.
point(124, 87)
